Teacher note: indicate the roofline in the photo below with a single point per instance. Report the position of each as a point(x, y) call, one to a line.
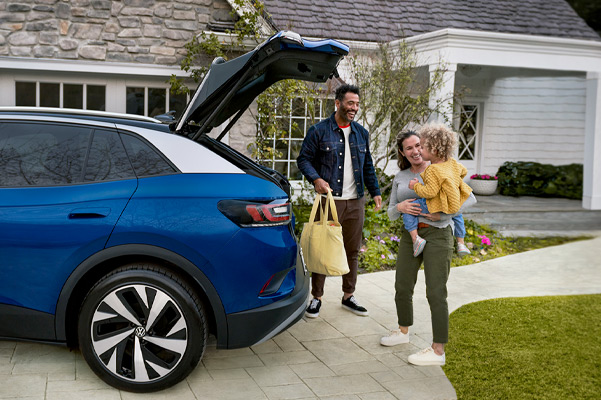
point(102, 67)
point(482, 38)
point(460, 46)
point(471, 34)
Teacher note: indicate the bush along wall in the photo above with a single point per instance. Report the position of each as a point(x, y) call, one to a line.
point(542, 180)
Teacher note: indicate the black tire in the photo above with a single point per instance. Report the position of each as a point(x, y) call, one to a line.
point(141, 328)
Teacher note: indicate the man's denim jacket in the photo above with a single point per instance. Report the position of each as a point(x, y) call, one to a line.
point(322, 156)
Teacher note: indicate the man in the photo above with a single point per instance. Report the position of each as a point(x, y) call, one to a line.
point(335, 156)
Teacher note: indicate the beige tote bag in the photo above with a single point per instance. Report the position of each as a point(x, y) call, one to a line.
point(321, 241)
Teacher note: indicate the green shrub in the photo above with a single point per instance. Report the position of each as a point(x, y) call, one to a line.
point(542, 180)
point(381, 240)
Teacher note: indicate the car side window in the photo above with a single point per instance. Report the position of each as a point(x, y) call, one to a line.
point(145, 160)
point(42, 154)
point(107, 159)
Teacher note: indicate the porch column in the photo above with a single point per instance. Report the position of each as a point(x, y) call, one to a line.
point(591, 193)
point(443, 95)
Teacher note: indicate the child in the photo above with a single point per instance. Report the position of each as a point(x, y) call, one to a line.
point(459, 224)
point(443, 189)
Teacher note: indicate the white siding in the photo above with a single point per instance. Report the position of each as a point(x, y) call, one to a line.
point(529, 115)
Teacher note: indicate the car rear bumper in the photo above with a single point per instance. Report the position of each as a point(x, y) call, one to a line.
point(258, 325)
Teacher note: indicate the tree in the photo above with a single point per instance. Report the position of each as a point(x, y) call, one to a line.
point(395, 95)
point(274, 102)
point(590, 11)
point(203, 49)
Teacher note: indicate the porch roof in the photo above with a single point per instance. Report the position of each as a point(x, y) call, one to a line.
point(388, 20)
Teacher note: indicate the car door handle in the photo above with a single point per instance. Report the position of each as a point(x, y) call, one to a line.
point(88, 213)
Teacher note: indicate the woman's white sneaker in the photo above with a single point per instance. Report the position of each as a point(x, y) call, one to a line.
point(395, 337)
point(426, 357)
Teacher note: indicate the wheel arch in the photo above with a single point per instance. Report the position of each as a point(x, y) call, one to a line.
point(93, 268)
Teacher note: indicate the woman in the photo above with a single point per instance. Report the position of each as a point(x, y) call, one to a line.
point(437, 230)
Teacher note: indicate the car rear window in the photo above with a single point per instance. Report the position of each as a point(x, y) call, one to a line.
point(145, 160)
point(107, 159)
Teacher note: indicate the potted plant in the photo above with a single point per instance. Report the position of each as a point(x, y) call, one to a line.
point(484, 184)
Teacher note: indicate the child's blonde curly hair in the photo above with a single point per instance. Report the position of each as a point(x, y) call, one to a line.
point(439, 140)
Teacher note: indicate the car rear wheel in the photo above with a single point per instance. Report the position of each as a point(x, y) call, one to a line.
point(141, 328)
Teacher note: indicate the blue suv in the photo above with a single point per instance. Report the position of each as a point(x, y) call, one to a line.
point(133, 240)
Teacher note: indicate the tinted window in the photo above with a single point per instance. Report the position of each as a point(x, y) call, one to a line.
point(50, 94)
point(107, 159)
point(25, 93)
point(36, 154)
point(144, 158)
point(96, 97)
point(156, 101)
point(134, 100)
point(73, 96)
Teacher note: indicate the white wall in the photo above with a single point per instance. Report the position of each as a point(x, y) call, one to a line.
point(529, 115)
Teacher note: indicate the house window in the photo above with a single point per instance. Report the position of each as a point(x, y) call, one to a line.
point(468, 131)
point(61, 95)
point(293, 128)
point(154, 101)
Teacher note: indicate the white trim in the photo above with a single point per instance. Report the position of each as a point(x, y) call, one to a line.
point(591, 193)
point(507, 50)
point(138, 70)
point(458, 46)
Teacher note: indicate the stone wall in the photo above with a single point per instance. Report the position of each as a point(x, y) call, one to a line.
point(131, 31)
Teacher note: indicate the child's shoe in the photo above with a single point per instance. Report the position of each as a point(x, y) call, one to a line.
point(462, 250)
point(418, 246)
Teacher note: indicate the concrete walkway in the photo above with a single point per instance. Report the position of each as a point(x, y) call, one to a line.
point(336, 356)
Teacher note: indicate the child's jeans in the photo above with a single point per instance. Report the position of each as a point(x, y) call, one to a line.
point(411, 221)
point(459, 226)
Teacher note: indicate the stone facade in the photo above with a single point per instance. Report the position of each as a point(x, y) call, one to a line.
point(130, 31)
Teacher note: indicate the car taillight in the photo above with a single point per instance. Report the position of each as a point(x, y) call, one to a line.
point(255, 214)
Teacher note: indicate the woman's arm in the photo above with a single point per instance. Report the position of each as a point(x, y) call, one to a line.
point(393, 213)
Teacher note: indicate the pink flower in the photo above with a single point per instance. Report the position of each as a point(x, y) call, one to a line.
point(382, 241)
point(485, 240)
point(484, 177)
point(383, 256)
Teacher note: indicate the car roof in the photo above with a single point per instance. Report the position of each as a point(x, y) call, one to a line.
point(102, 116)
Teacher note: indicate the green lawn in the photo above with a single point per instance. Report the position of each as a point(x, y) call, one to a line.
point(526, 348)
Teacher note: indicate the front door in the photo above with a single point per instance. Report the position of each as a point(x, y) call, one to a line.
point(468, 126)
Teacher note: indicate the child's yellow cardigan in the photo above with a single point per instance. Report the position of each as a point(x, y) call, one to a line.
point(444, 188)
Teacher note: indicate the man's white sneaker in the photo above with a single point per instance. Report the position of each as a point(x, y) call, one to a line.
point(395, 337)
point(426, 357)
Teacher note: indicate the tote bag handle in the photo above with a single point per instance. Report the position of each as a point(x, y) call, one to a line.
point(330, 205)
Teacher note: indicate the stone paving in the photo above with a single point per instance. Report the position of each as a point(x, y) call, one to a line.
point(336, 356)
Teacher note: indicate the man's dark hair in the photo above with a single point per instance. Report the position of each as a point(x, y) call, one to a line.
point(344, 89)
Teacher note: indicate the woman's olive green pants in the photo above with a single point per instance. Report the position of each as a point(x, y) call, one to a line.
point(436, 258)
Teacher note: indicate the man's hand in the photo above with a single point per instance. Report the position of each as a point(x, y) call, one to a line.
point(321, 186)
point(378, 201)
